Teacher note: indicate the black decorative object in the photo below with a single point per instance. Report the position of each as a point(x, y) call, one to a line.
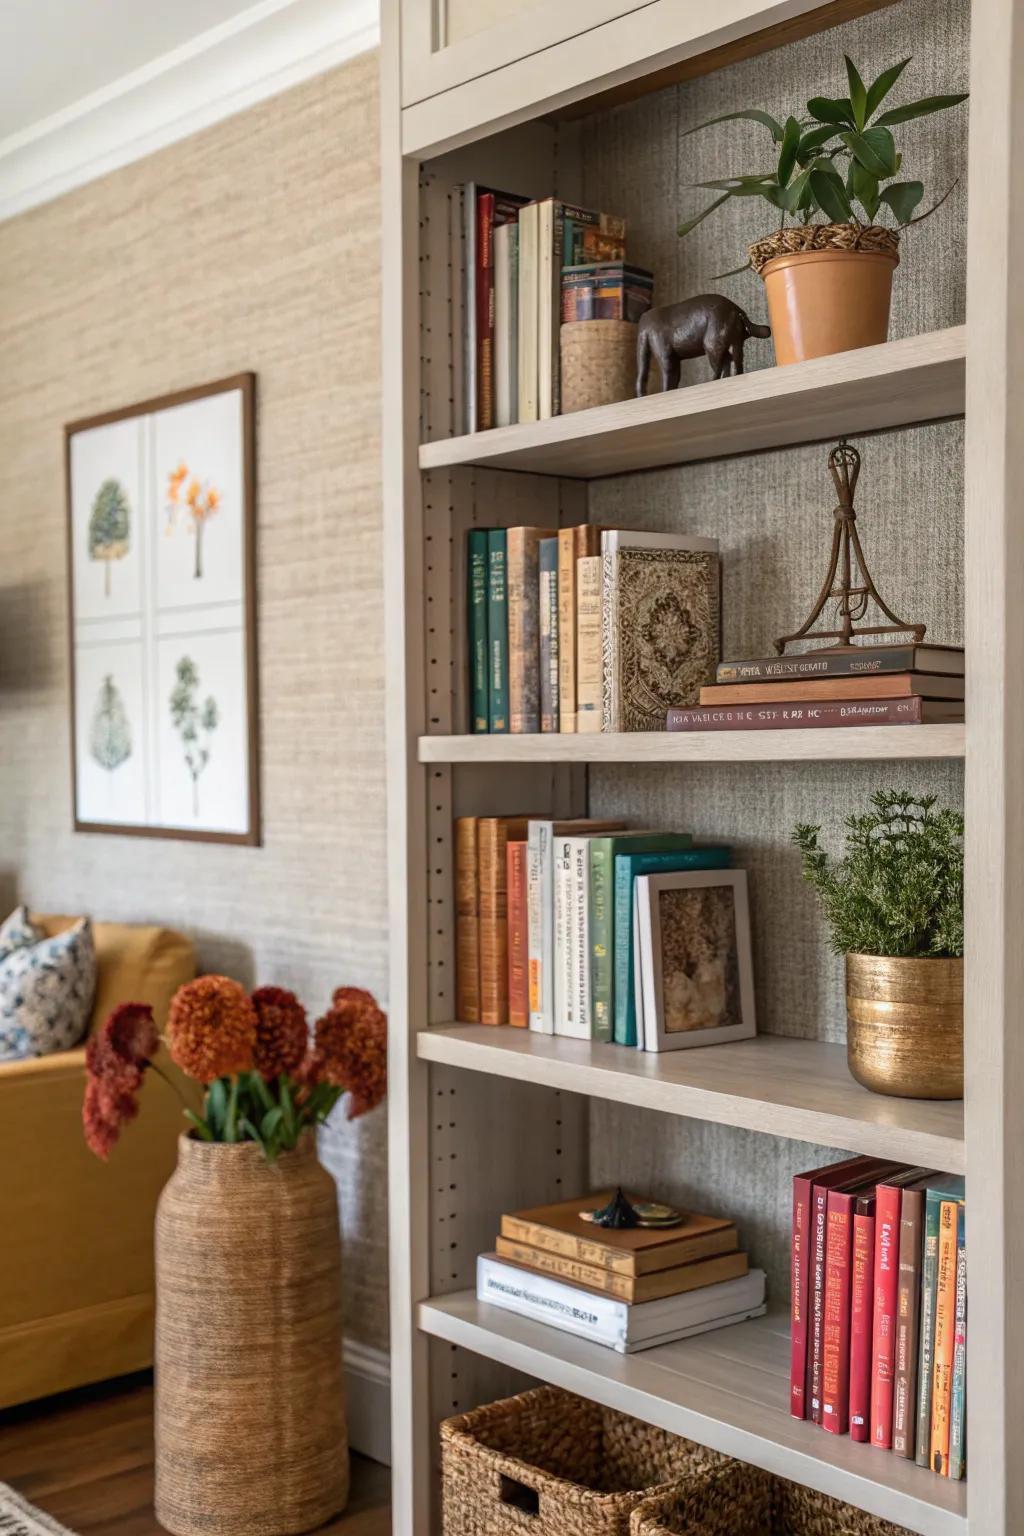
point(710, 326)
point(618, 1213)
point(850, 588)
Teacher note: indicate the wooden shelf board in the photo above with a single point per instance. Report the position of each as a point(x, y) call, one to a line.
point(800, 1089)
point(916, 379)
point(846, 744)
point(728, 1390)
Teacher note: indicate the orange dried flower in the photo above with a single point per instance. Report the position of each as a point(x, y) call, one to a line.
point(282, 1032)
point(211, 1028)
point(351, 1049)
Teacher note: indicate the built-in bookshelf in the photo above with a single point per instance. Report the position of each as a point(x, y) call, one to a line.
point(487, 1119)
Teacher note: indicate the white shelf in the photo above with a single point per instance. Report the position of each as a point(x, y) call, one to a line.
point(800, 1089)
point(920, 378)
point(844, 744)
point(728, 1390)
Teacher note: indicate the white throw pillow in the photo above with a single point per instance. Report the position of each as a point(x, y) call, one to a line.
point(47, 987)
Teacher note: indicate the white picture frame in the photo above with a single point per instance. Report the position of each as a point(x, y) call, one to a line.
point(679, 981)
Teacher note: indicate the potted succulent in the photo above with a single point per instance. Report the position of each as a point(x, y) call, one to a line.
point(895, 905)
point(250, 1409)
point(839, 188)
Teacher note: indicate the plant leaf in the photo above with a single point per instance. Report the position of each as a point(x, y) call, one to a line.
point(903, 197)
point(751, 115)
point(685, 227)
point(864, 187)
point(858, 92)
point(920, 109)
point(880, 89)
point(874, 149)
point(216, 1107)
point(812, 141)
point(828, 110)
point(798, 193)
point(936, 206)
point(830, 195)
point(787, 155)
point(200, 1125)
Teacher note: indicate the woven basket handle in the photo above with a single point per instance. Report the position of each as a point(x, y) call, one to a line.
point(516, 1503)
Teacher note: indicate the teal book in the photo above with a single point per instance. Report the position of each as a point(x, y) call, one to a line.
point(958, 1409)
point(497, 631)
point(476, 607)
point(627, 867)
point(602, 913)
point(950, 1187)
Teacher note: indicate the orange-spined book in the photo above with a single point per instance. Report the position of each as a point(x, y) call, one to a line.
point(493, 834)
point(518, 959)
point(467, 922)
point(945, 1337)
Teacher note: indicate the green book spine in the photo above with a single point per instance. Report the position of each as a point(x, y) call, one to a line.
point(627, 867)
point(476, 601)
point(958, 1410)
point(952, 1190)
point(497, 630)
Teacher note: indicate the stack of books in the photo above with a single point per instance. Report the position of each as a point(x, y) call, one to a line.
point(606, 290)
point(516, 255)
point(629, 1289)
point(588, 629)
point(545, 921)
point(879, 1308)
point(860, 685)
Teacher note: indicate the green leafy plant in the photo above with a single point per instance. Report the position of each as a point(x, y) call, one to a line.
point(899, 888)
point(839, 157)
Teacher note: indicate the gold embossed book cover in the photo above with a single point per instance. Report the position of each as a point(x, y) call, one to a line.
point(661, 624)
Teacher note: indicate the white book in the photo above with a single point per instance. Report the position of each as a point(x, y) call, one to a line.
point(562, 957)
point(581, 1007)
point(527, 317)
point(506, 307)
point(638, 988)
point(550, 224)
point(617, 1324)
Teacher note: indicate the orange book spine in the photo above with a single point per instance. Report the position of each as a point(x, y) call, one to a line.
point(518, 957)
point(467, 922)
point(945, 1337)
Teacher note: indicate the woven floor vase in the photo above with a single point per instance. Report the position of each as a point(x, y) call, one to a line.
point(250, 1409)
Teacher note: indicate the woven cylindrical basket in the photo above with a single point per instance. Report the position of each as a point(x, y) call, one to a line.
point(551, 1464)
point(598, 363)
point(250, 1410)
point(736, 1500)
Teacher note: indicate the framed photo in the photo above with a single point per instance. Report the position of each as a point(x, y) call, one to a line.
point(162, 595)
point(695, 975)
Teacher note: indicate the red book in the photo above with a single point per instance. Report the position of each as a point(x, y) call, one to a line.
point(835, 1371)
point(518, 946)
point(802, 1266)
point(485, 310)
point(884, 1292)
point(861, 1314)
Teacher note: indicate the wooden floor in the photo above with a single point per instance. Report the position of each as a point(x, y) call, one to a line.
point(87, 1459)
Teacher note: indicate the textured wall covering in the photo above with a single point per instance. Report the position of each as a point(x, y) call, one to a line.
point(253, 245)
point(771, 514)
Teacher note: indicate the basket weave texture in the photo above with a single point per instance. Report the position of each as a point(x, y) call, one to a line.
point(824, 237)
point(737, 1500)
point(250, 1409)
point(552, 1464)
point(598, 363)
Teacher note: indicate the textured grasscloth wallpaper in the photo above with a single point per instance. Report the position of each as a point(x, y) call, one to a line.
point(771, 513)
point(252, 245)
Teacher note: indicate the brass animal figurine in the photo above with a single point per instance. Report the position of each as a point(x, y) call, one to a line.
point(710, 324)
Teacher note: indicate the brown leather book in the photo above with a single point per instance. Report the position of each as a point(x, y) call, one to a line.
point(467, 922)
point(663, 1282)
point(896, 685)
point(630, 1251)
point(493, 834)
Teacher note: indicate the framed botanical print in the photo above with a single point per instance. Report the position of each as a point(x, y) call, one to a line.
point(695, 974)
point(162, 593)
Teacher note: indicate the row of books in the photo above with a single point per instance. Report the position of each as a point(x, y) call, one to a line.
point(879, 1308)
point(629, 1289)
point(546, 922)
point(588, 629)
point(522, 259)
point(856, 685)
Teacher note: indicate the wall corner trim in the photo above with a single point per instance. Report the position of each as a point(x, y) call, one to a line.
point(368, 1385)
point(267, 48)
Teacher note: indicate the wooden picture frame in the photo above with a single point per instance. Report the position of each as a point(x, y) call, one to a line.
point(654, 977)
point(164, 693)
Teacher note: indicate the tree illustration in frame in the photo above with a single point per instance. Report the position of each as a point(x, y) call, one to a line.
point(199, 500)
point(109, 527)
point(110, 736)
point(194, 722)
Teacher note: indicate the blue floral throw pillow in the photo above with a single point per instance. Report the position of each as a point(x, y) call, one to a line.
point(47, 987)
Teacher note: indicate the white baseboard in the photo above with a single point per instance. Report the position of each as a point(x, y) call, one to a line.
point(368, 1380)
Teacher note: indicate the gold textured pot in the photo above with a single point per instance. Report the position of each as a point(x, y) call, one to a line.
point(905, 1025)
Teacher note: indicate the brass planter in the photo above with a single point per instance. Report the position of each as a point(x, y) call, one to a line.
point(905, 1025)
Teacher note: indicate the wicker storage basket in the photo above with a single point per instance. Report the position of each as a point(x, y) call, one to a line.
point(598, 363)
point(551, 1464)
point(737, 1500)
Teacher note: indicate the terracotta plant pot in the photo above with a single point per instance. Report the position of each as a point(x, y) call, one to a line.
point(250, 1410)
point(826, 301)
point(905, 1025)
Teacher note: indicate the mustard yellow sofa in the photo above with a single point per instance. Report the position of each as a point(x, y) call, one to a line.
point(76, 1284)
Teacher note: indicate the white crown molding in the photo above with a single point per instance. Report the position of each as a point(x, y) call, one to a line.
point(267, 48)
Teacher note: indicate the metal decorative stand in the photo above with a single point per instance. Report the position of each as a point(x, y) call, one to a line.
point(851, 596)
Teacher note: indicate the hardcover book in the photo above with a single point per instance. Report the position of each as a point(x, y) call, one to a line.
point(851, 663)
point(493, 835)
point(506, 324)
point(476, 607)
point(958, 1410)
point(549, 638)
point(838, 1307)
point(540, 878)
point(467, 922)
point(528, 378)
point(808, 690)
point(630, 1288)
point(945, 1337)
point(861, 1311)
point(908, 1322)
point(589, 682)
point(573, 544)
point(782, 717)
point(628, 1251)
point(660, 625)
point(518, 991)
point(497, 632)
point(886, 1285)
point(523, 581)
point(950, 1187)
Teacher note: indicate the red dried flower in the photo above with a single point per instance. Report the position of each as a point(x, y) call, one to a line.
point(116, 1057)
point(211, 1028)
point(132, 1032)
point(282, 1032)
point(351, 1049)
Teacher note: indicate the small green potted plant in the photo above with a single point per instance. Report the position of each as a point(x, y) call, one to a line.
point(837, 184)
point(895, 905)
